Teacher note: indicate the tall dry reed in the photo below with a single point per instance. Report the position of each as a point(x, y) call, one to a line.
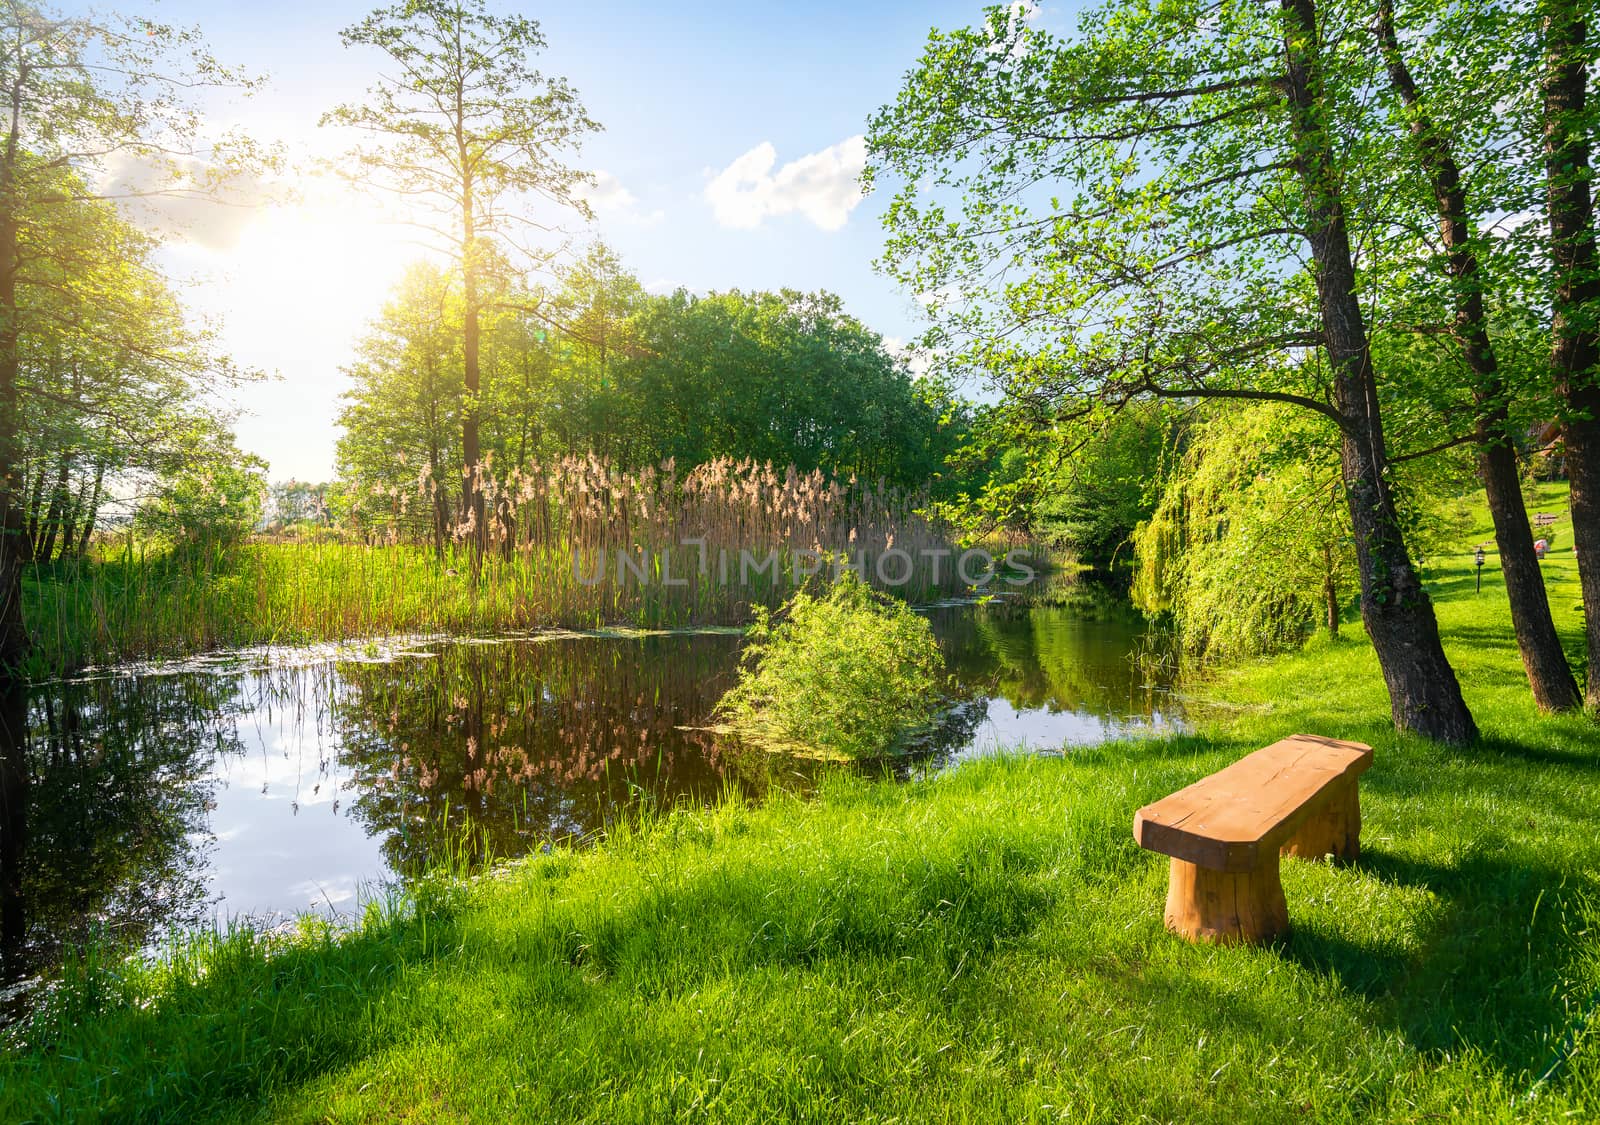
point(575, 543)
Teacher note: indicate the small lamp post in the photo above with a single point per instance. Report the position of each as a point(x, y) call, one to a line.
point(1478, 559)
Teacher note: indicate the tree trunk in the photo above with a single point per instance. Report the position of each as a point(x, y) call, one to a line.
point(33, 515)
point(13, 827)
point(1543, 660)
point(46, 547)
point(472, 491)
point(1423, 693)
point(1549, 674)
point(1575, 337)
point(441, 497)
point(91, 511)
point(69, 519)
point(1330, 592)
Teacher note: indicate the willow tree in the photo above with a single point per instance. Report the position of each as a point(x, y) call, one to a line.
point(471, 137)
point(1249, 545)
point(1157, 208)
point(91, 109)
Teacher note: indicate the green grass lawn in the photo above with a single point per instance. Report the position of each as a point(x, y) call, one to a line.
point(986, 946)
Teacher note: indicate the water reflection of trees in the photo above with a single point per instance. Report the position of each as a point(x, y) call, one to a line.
point(481, 750)
point(105, 792)
point(489, 750)
point(1078, 657)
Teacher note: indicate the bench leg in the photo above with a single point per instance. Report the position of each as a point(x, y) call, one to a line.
point(1226, 907)
point(1335, 828)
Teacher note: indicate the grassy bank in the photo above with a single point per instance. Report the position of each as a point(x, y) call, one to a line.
point(126, 605)
point(985, 946)
point(129, 607)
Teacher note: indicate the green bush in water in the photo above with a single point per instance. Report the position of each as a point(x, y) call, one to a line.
point(848, 672)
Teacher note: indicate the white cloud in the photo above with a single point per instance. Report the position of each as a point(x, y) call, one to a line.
point(823, 186)
point(918, 360)
point(1008, 34)
point(609, 198)
point(185, 198)
point(938, 297)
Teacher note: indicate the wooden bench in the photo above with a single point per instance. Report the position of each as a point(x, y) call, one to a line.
point(1225, 833)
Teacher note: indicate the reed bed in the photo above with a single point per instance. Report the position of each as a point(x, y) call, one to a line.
point(578, 543)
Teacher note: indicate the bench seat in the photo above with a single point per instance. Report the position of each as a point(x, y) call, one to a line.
point(1225, 834)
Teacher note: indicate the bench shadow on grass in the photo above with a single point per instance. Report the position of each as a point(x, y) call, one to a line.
point(1487, 970)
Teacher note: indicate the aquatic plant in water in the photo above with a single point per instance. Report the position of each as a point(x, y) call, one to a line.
point(847, 673)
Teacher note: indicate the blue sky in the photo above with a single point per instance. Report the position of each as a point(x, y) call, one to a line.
point(685, 92)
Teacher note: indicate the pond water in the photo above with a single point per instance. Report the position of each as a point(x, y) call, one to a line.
point(264, 785)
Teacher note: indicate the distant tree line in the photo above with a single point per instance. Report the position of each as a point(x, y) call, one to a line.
point(604, 367)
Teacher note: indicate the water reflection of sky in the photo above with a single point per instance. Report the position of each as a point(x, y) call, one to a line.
point(307, 785)
point(1007, 728)
point(284, 840)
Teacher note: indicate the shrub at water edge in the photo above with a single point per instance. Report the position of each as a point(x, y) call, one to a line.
point(848, 672)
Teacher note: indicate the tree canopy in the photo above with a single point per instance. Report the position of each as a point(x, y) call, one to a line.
point(784, 378)
point(1181, 202)
point(102, 374)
